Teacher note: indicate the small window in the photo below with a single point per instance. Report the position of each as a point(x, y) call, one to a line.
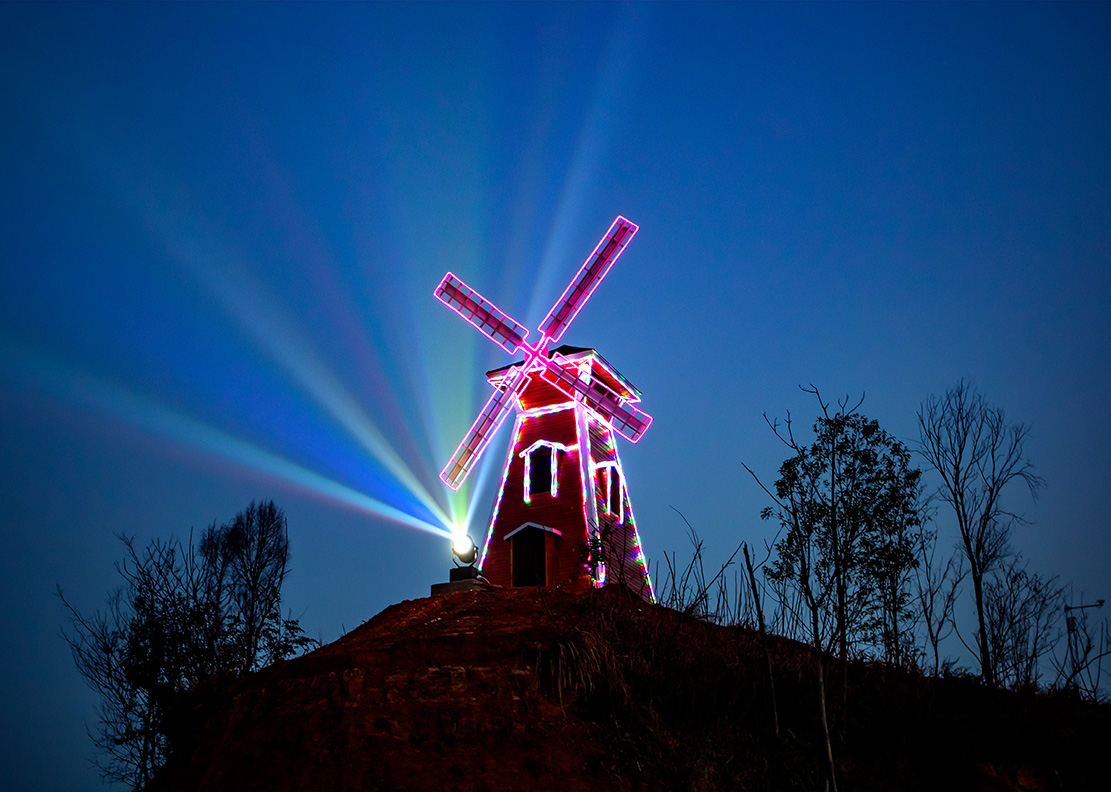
point(614, 504)
point(541, 473)
point(608, 482)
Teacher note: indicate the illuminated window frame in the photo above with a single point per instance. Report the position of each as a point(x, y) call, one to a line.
point(526, 487)
point(609, 469)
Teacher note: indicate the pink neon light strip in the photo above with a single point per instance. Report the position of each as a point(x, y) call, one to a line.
point(490, 320)
point(592, 272)
point(483, 430)
point(501, 490)
point(636, 539)
point(582, 441)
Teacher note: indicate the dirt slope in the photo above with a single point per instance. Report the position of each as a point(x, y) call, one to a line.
point(437, 693)
point(537, 690)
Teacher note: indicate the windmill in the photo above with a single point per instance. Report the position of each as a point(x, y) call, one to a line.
point(562, 516)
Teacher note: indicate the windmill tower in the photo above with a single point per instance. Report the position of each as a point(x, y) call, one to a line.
point(562, 516)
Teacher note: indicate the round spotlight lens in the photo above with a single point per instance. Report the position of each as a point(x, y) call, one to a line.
point(464, 549)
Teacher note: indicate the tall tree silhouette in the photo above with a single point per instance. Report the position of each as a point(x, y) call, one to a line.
point(848, 507)
point(977, 453)
point(257, 549)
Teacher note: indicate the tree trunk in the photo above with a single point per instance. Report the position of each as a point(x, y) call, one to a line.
point(987, 672)
point(822, 696)
point(763, 636)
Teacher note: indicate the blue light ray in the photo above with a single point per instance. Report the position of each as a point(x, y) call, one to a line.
point(89, 391)
point(243, 300)
point(564, 249)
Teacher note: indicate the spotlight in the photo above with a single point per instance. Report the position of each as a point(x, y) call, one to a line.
point(463, 576)
point(463, 551)
point(464, 554)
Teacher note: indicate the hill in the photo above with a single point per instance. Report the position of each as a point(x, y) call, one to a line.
point(530, 689)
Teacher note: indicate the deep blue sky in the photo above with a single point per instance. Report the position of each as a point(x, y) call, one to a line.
point(221, 226)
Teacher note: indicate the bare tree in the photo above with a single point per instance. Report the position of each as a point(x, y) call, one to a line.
point(136, 655)
point(1083, 665)
point(977, 452)
point(129, 742)
point(936, 589)
point(257, 545)
point(1022, 611)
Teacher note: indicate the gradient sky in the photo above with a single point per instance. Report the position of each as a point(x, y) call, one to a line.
point(221, 226)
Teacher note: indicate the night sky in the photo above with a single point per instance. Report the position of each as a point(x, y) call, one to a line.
point(222, 224)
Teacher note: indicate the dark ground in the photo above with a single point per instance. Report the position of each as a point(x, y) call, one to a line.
point(537, 690)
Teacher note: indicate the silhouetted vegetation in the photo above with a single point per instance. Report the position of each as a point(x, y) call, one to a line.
point(977, 453)
point(819, 664)
point(848, 510)
point(857, 573)
point(185, 614)
point(684, 701)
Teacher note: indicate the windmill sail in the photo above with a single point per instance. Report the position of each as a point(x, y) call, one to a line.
point(490, 320)
point(593, 270)
point(510, 335)
point(483, 430)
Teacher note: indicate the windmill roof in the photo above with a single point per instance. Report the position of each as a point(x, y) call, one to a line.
point(601, 369)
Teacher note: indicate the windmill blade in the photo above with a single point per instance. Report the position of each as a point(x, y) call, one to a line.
point(490, 320)
point(626, 419)
point(593, 270)
point(483, 430)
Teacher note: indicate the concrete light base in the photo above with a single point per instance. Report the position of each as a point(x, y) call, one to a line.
point(471, 584)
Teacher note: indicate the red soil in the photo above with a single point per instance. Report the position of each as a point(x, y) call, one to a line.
point(440, 693)
point(531, 689)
